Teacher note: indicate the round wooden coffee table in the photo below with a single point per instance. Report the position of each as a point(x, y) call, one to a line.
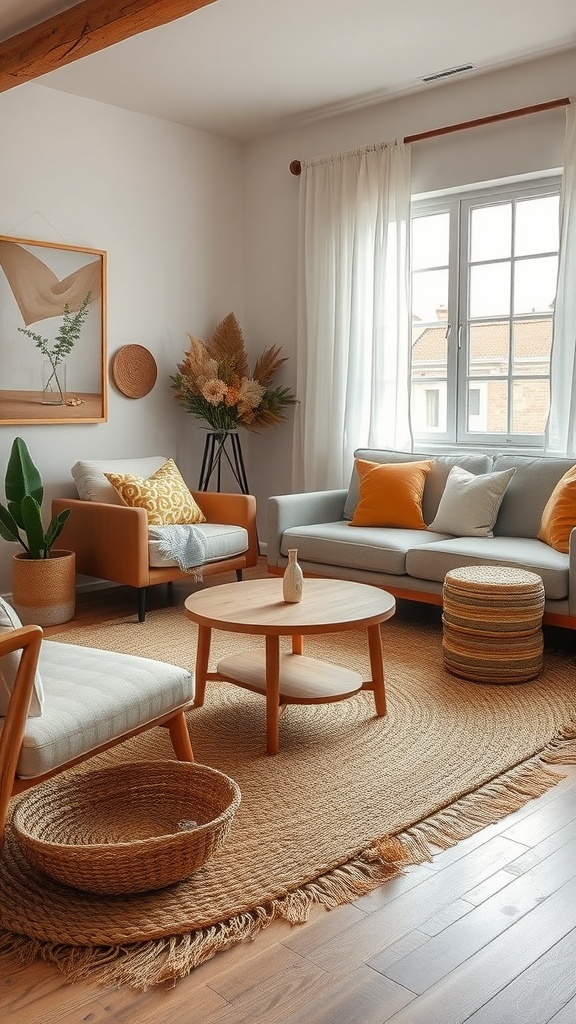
point(257, 607)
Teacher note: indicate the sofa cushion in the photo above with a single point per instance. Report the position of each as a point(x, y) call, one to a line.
point(164, 495)
point(92, 485)
point(435, 481)
point(366, 547)
point(9, 666)
point(391, 495)
point(221, 541)
point(522, 506)
point(470, 503)
point(433, 561)
point(92, 696)
point(559, 515)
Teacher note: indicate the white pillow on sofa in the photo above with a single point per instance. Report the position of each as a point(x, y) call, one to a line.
point(92, 485)
point(9, 667)
point(469, 505)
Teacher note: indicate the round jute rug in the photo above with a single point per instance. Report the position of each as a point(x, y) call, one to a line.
point(349, 797)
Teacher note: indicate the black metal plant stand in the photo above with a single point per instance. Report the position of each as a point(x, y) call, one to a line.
point(221, 444)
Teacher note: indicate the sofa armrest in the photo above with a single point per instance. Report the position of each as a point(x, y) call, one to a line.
point(287, 510)
point(232, 510)
point(110, 541)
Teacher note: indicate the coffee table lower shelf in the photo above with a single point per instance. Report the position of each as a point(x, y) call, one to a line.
point(302, 680)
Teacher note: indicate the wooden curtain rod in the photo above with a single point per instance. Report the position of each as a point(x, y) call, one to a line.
point(296, 166)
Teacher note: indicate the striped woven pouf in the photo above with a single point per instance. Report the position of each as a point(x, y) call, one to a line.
point(492, 624)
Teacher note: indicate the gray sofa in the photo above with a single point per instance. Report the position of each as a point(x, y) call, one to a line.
point(413, 563)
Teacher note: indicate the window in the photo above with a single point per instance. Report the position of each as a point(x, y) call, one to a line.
point(484, 268)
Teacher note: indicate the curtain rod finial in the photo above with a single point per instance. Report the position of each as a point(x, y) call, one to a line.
point(295, 167)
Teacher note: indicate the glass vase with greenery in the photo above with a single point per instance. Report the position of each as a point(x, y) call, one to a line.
point(64, 342)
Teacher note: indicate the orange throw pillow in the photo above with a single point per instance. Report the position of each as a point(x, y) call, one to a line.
point(559, 515)
point(391, 494)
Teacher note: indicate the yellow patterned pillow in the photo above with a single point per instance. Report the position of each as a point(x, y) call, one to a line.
point(164, 495)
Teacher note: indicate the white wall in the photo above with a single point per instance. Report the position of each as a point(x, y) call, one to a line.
point(526, 144)
point(165, 202)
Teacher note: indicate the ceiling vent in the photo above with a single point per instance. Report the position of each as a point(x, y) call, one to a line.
point(448, 72)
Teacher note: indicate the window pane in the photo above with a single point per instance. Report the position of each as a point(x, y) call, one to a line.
point(429, 407)
point(496, 407)
point(430, 295)
point(535, 284)
point(490, 399)
point(474, 402)
point(490, 290)
point(477, 407)
point(537, 225)
point(429, 352)
point(432, 408)
point(430, 241)
point(491, 232)
point(489, 349)
point(530, 400)
point(532, 346)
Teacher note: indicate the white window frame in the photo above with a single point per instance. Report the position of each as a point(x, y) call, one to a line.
point(459, 205)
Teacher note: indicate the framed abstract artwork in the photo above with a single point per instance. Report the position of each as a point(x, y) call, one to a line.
point(52, 333)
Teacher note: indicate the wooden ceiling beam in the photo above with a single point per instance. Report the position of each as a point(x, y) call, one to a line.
point(83, 29)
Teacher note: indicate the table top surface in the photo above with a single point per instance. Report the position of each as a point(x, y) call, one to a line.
point(257, 606)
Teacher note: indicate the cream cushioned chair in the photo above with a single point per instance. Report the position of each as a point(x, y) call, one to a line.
point(112, 540)
point(90, 700)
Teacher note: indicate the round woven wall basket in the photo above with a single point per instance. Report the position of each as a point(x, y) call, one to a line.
point(134, 371)
point(129, 829)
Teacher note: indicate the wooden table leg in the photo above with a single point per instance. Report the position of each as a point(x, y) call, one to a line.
point(272, 694)
point(297, 644)
point(377, 668)
point(202, 656)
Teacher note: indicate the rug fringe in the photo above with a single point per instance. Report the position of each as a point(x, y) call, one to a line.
point(144, 965)
point(562, 749)
point(475, 811)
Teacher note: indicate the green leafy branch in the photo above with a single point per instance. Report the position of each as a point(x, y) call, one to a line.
point(67, 336)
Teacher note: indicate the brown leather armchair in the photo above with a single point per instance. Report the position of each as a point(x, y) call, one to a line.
point(111, 541)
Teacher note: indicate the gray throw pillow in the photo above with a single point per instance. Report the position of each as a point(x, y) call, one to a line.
point(469, 505)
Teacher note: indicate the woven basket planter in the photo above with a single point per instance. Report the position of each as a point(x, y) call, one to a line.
point(129, 829)
point(492, 624)
point(44, 589)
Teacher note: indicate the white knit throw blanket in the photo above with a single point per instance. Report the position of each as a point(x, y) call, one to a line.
point(185, 545)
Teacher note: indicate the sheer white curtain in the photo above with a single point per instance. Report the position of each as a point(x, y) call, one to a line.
point(353, 347)
point(561, 428)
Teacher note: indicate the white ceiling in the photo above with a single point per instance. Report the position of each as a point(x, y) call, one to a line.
point(244, 68)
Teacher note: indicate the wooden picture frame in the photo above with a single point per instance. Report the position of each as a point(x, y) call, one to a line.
point(53, 291)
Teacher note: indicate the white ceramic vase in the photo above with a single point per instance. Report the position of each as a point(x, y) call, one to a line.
point(293, 578)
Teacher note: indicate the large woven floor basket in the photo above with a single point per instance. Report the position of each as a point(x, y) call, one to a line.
point(129, 829)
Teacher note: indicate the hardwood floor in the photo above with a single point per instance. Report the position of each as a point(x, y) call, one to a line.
point(486, 934)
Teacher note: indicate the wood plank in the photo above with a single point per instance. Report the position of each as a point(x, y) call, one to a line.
point(445, 952)
point(86, 28)
point(539, 991)
point(537, 828)
point(275, 984)
point(410, 910)
point(464, 991)
point(567, 1015)
point(360, 996)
